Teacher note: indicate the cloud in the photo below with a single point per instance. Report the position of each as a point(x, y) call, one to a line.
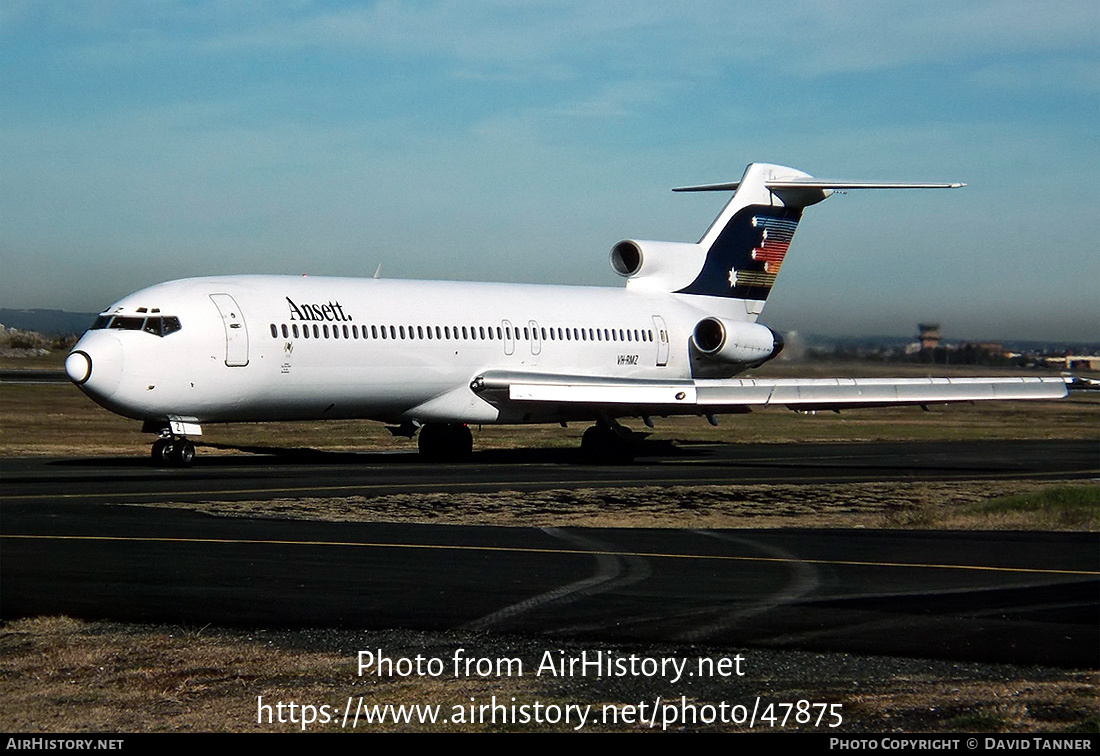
point(530, 40)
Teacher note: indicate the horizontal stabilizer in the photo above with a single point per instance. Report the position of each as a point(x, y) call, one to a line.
point(816, 183)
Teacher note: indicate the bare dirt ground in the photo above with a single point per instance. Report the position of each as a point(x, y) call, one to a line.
point(940, 506)
point(62, 675)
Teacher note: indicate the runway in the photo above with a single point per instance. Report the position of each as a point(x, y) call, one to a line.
point(1019, 597)
point(305, 472)
point(990, 596)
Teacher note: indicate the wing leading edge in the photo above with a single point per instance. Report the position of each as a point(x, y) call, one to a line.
point(678, 397)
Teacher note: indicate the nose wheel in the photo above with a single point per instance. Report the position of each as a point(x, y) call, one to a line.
point(173, 452)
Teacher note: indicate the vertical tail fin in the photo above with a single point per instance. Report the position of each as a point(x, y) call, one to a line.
point(740, 255)
point(747, 242)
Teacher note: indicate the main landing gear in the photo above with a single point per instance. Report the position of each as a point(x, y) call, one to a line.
point(608, 443)
point(172, 451)
point(445, 442)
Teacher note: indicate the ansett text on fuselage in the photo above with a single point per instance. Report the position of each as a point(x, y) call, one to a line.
point(332, 312)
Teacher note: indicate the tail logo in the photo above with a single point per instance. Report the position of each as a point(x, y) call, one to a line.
point(750, 251)
point(775, 239)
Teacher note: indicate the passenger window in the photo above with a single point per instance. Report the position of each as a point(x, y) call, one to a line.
point(316, 332)
point(294, 329)
point(324, 330)
point(274, 330)
point(285, 334)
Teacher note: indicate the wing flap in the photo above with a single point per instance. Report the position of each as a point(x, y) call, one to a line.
point(817, 393)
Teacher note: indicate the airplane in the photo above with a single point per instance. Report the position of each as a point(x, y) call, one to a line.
point(436, 357)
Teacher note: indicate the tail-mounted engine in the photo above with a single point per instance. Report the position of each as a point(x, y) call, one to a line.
point(736, 343)
point(657, 265)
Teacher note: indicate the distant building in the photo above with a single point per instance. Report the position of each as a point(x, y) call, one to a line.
point(1074, 362)
point(929, 335)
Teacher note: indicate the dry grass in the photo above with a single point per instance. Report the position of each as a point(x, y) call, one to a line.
point(951, 506)
point(57, 420)
point(61, 675)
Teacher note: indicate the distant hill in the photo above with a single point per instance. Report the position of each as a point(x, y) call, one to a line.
point(47, 322)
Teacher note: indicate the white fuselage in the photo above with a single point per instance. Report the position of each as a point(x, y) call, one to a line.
point(284, 348)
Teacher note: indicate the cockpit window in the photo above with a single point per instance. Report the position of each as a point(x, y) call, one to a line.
point(158, 325)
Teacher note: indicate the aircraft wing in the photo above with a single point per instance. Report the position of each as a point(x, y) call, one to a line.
point(739, 394)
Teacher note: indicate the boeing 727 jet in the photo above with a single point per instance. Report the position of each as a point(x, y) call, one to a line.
point(434, 357)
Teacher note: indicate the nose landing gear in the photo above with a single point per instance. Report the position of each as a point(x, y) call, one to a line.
point(171, 451)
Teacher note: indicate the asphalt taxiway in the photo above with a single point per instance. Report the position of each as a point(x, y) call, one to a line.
point(69, 547)
point(306, 472)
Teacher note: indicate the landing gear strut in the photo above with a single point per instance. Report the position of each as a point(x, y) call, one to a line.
point(445, 442)
point(172, 451)
point(608, 443)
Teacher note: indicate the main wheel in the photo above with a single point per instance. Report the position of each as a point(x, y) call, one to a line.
point(601, 445)
point(445, 442)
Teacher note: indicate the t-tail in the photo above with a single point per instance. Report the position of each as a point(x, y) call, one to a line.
point(741, 253)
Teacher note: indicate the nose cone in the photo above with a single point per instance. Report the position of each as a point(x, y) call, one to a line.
point(95, 365)
point(78, 366)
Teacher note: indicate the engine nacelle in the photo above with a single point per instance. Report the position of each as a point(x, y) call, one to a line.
point(736, 342)
point(657, 265)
